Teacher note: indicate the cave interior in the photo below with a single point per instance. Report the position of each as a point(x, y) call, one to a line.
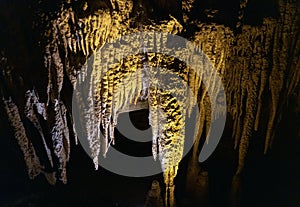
point(44, 47)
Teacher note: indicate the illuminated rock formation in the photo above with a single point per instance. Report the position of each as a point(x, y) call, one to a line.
point(252, 60)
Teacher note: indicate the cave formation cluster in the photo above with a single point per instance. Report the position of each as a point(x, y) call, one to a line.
point(259, 67)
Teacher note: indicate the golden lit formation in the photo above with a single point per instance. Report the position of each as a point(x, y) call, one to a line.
point(253, 63)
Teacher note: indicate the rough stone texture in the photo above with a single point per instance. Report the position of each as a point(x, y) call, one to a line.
point(259, 66)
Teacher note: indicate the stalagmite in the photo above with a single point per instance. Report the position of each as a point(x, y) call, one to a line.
point(235, 191)
point(154, 198)
point(202, 188)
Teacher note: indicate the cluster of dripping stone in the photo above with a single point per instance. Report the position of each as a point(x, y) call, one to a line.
point(251, 63)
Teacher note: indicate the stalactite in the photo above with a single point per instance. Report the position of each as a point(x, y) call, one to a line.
point(280, 67)
point(239, 105)
point(193, 166)
point(110, 105)
point(295, 79)
point(153, 111)
point(111, 102)
point(215, 41)
point(243, 52)
point(92, 124)
point(32, 161)
point(263, 82)
point(170, 140)
point(208, 118)
point(104, 114)
point(248, 63)
point(96, 88)
point(58, 132)
point(88, 104)
point(187, 6)
point(276, 83)
point(66, 132)
point(248, 119)
point(32, 101)
point(243, 4)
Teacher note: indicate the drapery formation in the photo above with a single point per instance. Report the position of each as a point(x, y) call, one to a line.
point(259, 67)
